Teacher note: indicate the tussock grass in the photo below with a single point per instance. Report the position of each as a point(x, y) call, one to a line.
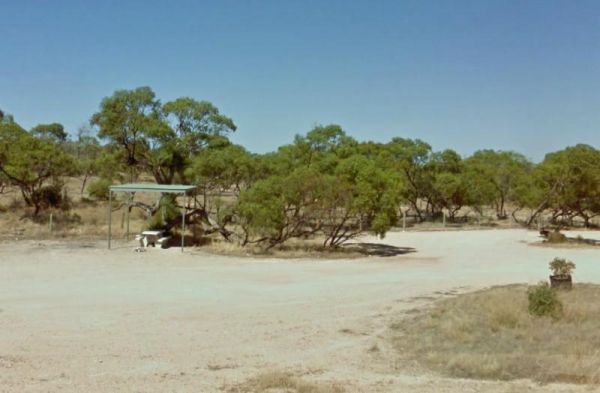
point(490, 334)
point(283, 382)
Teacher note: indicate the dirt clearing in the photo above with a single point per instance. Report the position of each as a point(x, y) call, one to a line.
point(75, 317)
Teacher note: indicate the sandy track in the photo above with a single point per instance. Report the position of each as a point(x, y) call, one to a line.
point(77, 318)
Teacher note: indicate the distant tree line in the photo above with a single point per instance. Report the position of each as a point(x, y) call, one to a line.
point(324, 183)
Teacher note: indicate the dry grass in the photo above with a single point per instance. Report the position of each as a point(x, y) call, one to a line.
point(84, 221)
point(283, 382)
point(490, 335)
point(294, 248)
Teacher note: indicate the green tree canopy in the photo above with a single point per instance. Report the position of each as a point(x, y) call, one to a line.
point(54, 131)
point(157, 138)
point(31, 163)
point(497, 173)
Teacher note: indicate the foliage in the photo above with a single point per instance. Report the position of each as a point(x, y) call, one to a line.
point(324, 182)
point(159, 139)
point(360, 197)
point(51, 195)
point(30, 163)
point(567, 182)
point(223, 168)
point(556, 237)
point(279, 208)
point(561, 267)
point(130, 119)
point(543, 301)
point(53, 131)
point(99, 189)
point(87, 151)
point(320, 184)
point(412, 159)
point(497, 174)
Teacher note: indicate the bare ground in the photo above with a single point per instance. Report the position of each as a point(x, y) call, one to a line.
point(75, 317)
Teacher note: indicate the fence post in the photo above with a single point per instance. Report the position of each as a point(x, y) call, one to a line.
point(50, 223)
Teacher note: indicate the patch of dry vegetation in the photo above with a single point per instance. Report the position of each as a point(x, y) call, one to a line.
point(86, 220)
point(283, 382)
point(295, 248)
point(490, 334)
point(559, 238)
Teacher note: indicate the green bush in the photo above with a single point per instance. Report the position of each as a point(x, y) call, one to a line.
point(561, 267)
point(51, 196)
point(556, 237)
point(155, 223)
point(543, 301)
point(99, 189)
point(167, 215)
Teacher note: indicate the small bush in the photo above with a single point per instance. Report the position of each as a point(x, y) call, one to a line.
point(277, 381)
point(99, 189)
point(155, 223)
point(52, 196)
point(556, 237)
point(561, 267)
point(543, 301)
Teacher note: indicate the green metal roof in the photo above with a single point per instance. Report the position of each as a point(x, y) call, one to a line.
point(153, 187)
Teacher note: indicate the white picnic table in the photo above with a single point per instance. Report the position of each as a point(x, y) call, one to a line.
point(151, 238)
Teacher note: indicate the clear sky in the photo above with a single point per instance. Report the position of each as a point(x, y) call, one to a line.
point(520, 75)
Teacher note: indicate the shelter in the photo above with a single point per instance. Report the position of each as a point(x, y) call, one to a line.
point(132, 188)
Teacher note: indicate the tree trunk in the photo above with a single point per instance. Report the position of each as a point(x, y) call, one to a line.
point(85, 179)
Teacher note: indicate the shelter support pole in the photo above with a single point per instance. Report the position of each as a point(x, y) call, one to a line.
point(109, 216)
point(183, 221)
point(127, 215)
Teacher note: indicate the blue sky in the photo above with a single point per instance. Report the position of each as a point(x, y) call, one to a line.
point(519, 75)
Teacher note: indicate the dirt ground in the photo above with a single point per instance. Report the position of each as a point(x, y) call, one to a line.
point(75, 317)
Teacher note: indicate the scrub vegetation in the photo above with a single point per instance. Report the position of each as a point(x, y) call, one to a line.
point(283, 382)
point(324, 185)
point(508, 332)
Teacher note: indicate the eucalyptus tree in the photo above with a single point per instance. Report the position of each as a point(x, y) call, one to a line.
point(571, 178)
point(360, 197)
point(131, 120)
point(454, 186)
point(280, 207)
point(321, 184)
point(566, 182)
point(159, 138)
point(53, 131)
point(498, 172)
point(412, 160)
point(86, 151)
point(32, 165)
point(229, 168)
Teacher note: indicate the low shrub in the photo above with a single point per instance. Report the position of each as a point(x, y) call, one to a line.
point(543, 301)
point(276, 381)
point(52, 196)
point(561, 267)
point(556, 237)
point(99, 189)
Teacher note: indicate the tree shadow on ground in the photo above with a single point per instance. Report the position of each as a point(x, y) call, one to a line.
point(381, 250)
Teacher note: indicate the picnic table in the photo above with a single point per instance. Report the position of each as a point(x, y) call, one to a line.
point(151, 238)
